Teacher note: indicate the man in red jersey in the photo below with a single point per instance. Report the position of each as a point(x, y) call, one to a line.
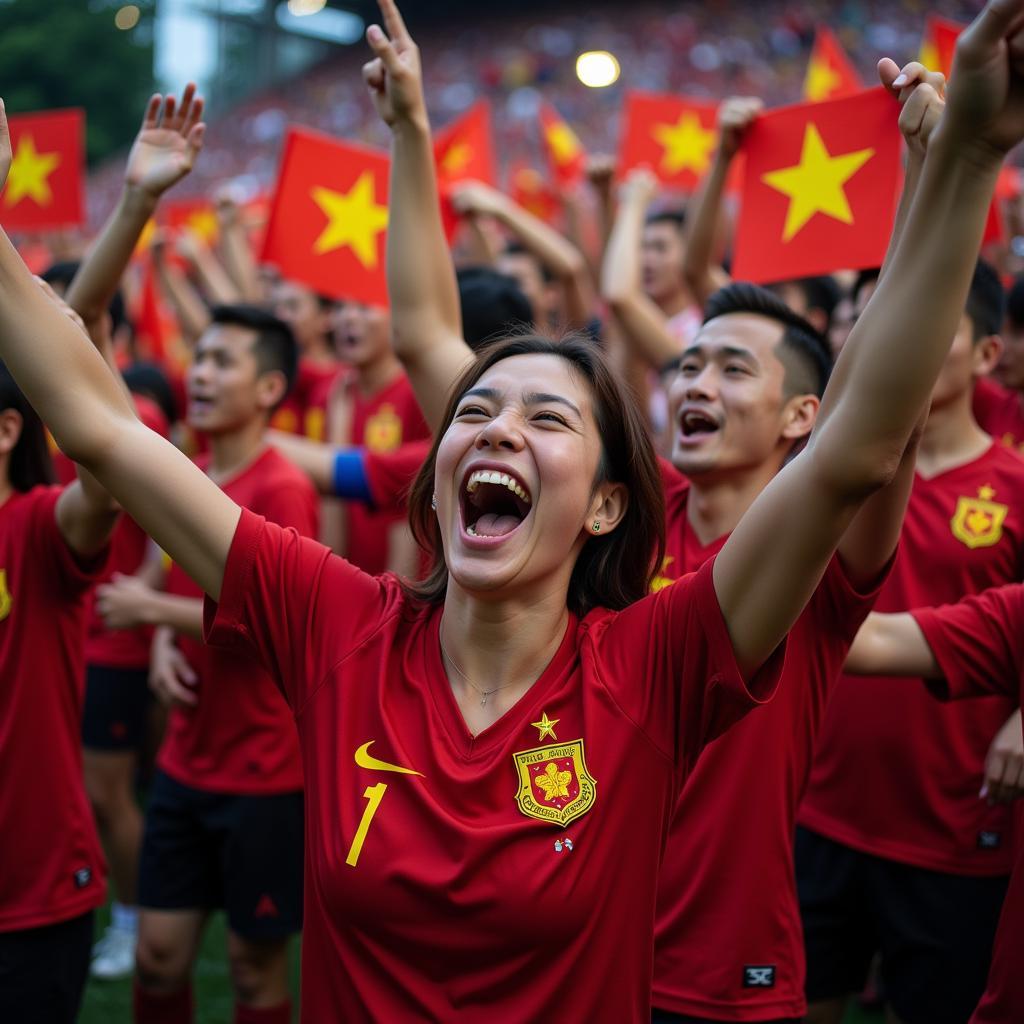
point(974, 648)
point(308, 315)
point(896, 851)
point(224, 821)
point(372, 407)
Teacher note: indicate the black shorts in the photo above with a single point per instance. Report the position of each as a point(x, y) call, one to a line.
point(204, 850)
point(933, 930)
point(43, 971)
point(117, 701)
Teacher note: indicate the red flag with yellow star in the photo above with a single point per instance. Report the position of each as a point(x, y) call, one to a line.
point(529, 189)
point(566, 154)
point(463, 150)
point(328, 221)
point(830, 74)
point(672, 135)
point(819, 190)
point(195, 215)
point(938, 43)
point(44, 186)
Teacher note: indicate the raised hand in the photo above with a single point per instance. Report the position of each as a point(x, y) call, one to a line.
point(6, 153)
point(475, 198)
point(640, 186)
point(923, 98)
point(167, 144)
point(985, 101)
point(394, 77)
point(735, 116)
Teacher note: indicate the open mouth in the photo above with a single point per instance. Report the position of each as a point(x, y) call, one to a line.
point(693, 422)
point(494, 503)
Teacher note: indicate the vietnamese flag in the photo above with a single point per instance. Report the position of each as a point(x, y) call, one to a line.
point(528, 189)
point(829, 71)
point(819, 192)
point(329, 216)
point(566, 154)
point(195, 215)
point(463, 150)
point(938, 43)
point(45, 184)
point(672, 135)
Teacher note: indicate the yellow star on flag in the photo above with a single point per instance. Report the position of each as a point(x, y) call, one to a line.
point(546, 726)
point(354, 219)
point(456, 157)
point(563, 142)
point(204, 224)
point(815, 185)
point(929, 55)
point(821, 80)
point(688, 144)
point(29, 174)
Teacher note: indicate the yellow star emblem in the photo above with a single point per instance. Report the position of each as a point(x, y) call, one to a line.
point(986, 493)
point(815, 185)
point(687, 143)
point(354, 220)
point(546, 726)
point(456, 158)
point(563, 142)
point(29, 174)
point(821, 80)
point(203, 223)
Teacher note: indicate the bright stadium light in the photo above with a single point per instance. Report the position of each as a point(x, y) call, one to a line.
point(597, 68)
point(311, 18)
point(127, 17)
point(302, 8)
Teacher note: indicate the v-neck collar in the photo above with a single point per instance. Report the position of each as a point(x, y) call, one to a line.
point(465, 743)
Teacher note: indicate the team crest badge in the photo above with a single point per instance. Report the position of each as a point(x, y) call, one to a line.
point(978, 522)
point(383, 430)
point(5, 596)
point(554, 784)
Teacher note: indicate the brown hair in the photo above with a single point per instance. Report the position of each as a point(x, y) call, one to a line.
point(613, 570)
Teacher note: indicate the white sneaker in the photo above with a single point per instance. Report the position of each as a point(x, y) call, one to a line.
point(114, 955)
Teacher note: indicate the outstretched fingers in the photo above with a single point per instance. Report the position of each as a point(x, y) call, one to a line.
point(394, 23)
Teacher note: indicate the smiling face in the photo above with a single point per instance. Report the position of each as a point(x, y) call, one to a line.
point(515, 478)
point(728, 401)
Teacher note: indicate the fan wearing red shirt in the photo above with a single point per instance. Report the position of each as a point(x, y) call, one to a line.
point(304, 410)
point(918, 869)
point(224, 819)
point(483, 753)
point(52, 875)
point(974, 648)
point(373, 407)
point(728, 942)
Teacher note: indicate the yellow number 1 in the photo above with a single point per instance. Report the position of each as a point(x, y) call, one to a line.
point(374, 795)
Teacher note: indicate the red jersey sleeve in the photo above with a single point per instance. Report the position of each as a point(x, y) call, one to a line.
point(669, 664)
point(390, 475)
point(978, 643)
point(297, 507)
point(294, 605)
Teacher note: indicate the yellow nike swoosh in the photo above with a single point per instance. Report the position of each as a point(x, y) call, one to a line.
point(364, 760)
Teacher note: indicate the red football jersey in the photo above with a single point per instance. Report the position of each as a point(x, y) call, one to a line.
point(979, 645)
point(304, 410)
point(897, 774)
point(381, 424)
point(51, 867)
point(391, 474)
point(1000, 412)
point(240, 737)
point(728, 939)
point(124, 648)
point(452, 877)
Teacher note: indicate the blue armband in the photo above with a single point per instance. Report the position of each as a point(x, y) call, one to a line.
point(350, 479)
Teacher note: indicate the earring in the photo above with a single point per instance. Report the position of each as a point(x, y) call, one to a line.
point(597, 526)
point(433, 502)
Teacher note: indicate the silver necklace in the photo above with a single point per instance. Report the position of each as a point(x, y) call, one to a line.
point(484, 694)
